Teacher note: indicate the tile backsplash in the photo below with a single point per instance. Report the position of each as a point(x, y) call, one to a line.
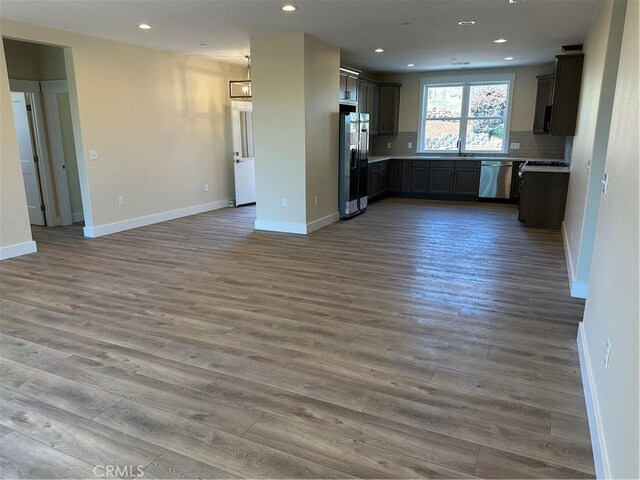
point(531, 145)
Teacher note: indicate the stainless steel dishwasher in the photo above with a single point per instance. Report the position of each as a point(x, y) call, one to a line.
point(495, 179)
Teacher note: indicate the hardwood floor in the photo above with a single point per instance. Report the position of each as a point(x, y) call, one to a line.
point(422, 339)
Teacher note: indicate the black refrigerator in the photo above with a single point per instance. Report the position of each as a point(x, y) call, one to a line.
point(354, 163)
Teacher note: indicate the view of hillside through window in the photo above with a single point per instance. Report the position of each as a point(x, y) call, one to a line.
point(483, 122)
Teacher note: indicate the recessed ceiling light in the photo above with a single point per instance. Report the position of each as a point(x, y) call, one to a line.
point(508, 58)
point(144, 26)
point(411, 64)
point(379, 50)
point(500, 40)
point(289, 8)
point(466, 23)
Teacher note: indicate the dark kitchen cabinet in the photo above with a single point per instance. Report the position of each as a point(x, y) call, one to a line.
point(348, 92)
point(378, 180)
point(400, 176)
point(566, 94)
point(466, 182)
point(466, 178)
point(544, 100)
point(420, 176)
point(368, 102)
point(558, 97)
point(542, 199)
point(441, 176)
point(389, 108)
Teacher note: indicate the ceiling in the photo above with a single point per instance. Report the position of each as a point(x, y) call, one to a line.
point(423, 32)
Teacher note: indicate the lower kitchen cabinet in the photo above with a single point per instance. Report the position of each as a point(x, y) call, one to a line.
point(542, 199)
point(444, 179)
point(466, 181)
point(400, 176)
point(420, 176)
point(378, 181)
point(441, 178)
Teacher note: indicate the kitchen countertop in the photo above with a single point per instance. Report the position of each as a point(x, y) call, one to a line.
point(375, 159)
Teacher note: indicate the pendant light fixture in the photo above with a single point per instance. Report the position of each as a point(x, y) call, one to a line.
point(242, 88)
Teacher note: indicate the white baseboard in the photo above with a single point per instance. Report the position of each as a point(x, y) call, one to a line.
point(109, 228)
point(297, 228)
point(596, 431)
point(281, 227)
point(77, 217)
point(17, 250)
point(578, 289)
point(323, 222)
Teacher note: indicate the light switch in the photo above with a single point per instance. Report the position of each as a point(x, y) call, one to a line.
point(515, 146)
point(410, 145)
point(93, 154)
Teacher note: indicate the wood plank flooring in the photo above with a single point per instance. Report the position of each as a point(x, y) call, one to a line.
point(420, 340)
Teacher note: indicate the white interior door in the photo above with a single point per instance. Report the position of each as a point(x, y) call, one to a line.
point(50, 91)
point(27, 159)
point(244, 167)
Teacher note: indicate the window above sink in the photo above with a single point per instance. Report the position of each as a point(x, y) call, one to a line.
point(465, 114)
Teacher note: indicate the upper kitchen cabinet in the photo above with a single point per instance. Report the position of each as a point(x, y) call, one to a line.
point(566, 94)
point(348, 86)
point(368, 102)
point(544, 99)
point(558, 96)
point(389, 108)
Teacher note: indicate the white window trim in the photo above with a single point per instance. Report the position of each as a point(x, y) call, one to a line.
point(465, 81)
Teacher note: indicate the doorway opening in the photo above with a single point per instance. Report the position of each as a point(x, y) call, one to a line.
point(244, 165)
point(46, 143)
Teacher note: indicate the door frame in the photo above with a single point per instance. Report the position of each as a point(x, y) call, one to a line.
point(49, 89)
point(32, 88)
point(238, 106)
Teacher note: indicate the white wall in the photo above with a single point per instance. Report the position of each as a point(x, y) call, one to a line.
point(14, 218)
point(32, 61)
point(612, 307)
point(159, 121)
point(524, 93)
point(69, 149)
point(279, 127)
point(321, 110)
point(295, 105)
point(601, 49)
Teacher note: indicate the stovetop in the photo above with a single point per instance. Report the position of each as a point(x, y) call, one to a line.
point(550, 163)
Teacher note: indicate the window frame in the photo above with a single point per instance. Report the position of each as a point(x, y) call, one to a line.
point(466, 81)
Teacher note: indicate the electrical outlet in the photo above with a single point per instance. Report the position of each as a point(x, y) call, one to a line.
point(389, 145)
point(410, 145)
point(607, 354)
point(316, 201)
point(605, 183)
point(285, 203)
point(206, 187)
point(515, 146)
point(93, 155)
point(121, 200)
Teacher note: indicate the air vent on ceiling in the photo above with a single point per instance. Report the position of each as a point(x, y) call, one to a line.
point(460, 63)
